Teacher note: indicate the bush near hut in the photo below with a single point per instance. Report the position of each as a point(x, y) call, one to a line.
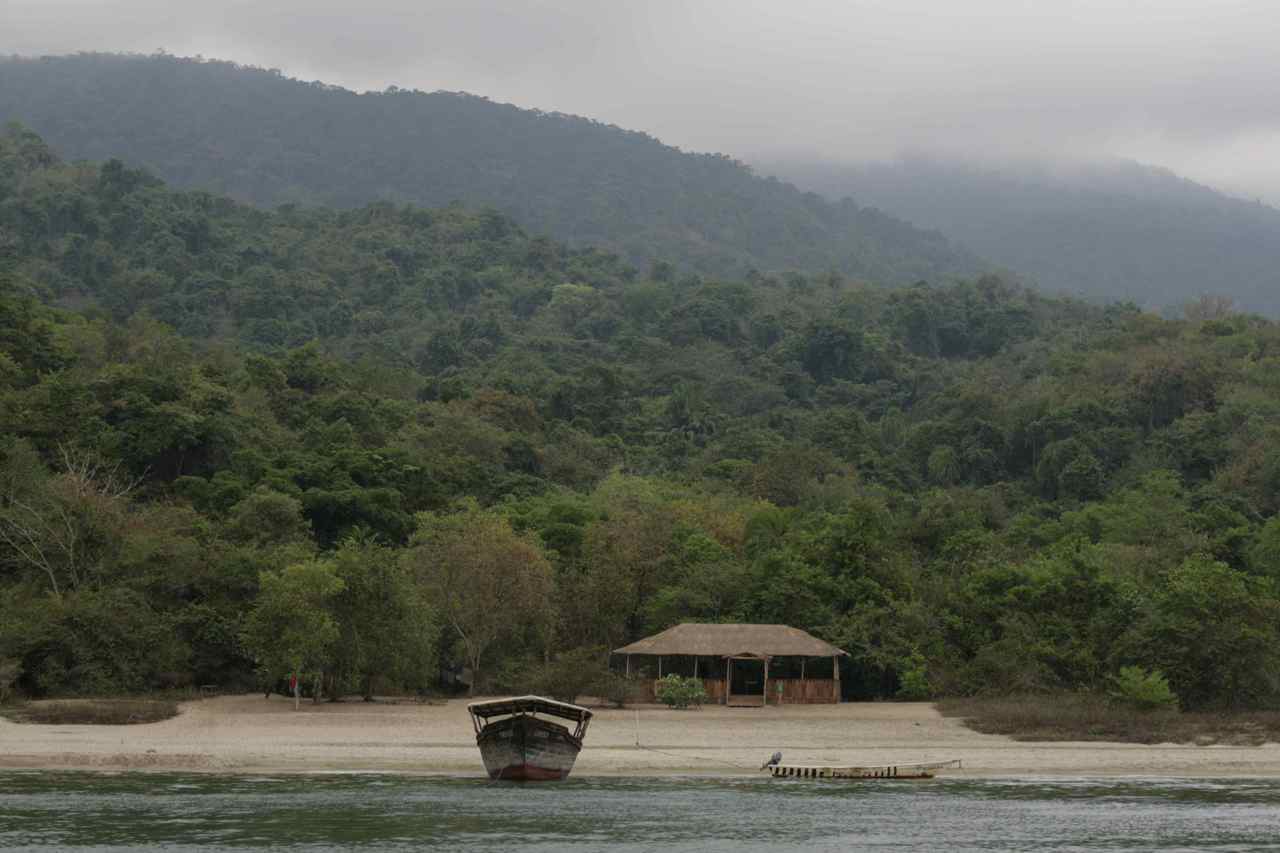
point(914, 680)
point(676, 691)
point(577, 672)
point(618, 690)
point(1144, 690)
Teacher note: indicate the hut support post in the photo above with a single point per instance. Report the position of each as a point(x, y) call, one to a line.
point(659, 666)
point(728, 678)
point(695, 666)
point(628, 666)
point(835, 678)
point(766, 682)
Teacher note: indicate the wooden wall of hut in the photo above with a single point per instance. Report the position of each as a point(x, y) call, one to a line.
point(795, 691)
point(804, 691)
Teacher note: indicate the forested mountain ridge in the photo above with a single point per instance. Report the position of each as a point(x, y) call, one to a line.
point(1104, 231)
point(258, 136)
point(248, 442)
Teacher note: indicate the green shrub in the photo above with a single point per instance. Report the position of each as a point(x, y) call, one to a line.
point(679, 692)
point(913, 682)
point(92, 643)
point(570, 674)
point(617, 690)
point(573, 673)
point(1144, 690)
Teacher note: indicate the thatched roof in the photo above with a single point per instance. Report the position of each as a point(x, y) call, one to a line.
point(725, 640)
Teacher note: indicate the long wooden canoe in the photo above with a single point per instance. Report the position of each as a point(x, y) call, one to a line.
point(918, 770)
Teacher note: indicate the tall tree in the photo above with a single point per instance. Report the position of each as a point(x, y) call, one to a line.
point(292, 628)
point(387, 626)
point(491, 583)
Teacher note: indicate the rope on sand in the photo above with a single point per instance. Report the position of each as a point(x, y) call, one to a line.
point(732, 764)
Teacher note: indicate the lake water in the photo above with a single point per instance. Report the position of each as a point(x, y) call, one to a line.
point(57, 811)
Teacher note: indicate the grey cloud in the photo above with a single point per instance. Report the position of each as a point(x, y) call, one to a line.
point(1184, 83)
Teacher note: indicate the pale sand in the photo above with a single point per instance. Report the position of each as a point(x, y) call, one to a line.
point(249, 734)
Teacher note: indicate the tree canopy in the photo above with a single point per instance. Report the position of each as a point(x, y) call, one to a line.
point(224, 429)
point(258, 136)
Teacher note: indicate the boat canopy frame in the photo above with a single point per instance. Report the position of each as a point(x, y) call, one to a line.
point(519, 706)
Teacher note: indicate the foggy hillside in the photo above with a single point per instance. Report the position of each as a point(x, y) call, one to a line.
point(264, 138)
point(1107, 231)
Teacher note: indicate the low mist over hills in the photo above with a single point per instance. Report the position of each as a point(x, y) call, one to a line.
point(1108, 231)
point(261, 137)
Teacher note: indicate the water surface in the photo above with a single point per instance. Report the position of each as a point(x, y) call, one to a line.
point(54, 811)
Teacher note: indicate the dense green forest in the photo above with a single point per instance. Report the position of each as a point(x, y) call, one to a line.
point(258, 136)
point(1104, 231)
point(377, 444)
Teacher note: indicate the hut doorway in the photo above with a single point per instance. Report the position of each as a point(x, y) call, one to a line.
point(746, 681)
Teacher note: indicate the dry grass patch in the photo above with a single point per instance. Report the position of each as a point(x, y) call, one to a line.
point(93, 712)
point(1084, 717)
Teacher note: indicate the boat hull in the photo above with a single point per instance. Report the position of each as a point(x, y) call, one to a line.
point(527, 749)
point(885, 771)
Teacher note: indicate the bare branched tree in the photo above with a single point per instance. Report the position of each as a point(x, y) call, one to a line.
point(1209, 307)
point(92, 475)
point(55, 527)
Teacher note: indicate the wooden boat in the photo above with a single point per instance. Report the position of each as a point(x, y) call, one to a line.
point(515, 743)
point(919, 770)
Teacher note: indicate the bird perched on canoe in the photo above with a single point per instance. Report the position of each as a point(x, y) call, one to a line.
point(777, 756)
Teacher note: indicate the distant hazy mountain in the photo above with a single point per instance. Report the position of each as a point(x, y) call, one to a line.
point(264, 138)
point(1105, 231)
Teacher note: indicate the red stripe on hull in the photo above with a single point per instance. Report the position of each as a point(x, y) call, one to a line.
point(529, 773)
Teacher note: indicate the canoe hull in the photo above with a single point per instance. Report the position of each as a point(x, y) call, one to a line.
point(905, 772)
point(527, 749)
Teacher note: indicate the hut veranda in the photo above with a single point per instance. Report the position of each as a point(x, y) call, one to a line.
point(748, 665)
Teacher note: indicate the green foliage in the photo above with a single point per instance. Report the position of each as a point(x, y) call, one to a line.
point(1143, 689)
point(389, 445)
point(1215, 632)
point(914, 680)
point(676, 691)
point(573, 673)
point(92, 643)
point(387, 624)
point(1264, 557)
point(492, 584)
point(576, 179)
point(291, 628)
point(618, 690)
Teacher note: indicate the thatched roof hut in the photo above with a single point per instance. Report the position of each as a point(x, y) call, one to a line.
point(713, 640)
point(734, 661)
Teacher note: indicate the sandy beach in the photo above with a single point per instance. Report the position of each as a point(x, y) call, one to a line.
point(249, 734)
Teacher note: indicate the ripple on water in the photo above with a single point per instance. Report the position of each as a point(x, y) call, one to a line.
point(326, 812)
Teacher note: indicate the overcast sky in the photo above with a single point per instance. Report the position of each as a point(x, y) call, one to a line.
point(1190, 84)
